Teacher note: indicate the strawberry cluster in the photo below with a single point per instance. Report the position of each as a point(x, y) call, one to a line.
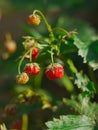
point(32, 48)
point(31, 68)
point(52, 72)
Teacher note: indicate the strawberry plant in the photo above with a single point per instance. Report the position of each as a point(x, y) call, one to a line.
point(51, 56)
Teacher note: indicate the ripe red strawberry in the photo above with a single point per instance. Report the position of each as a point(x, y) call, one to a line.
point(58, 71)
point(16, 125)
point(34, 19)
point(11, 109)
point(35, 53)
point(22, 78)
point(32, 68)
point(54, 72)
point(50, 74)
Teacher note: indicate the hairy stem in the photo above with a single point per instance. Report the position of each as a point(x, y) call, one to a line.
point(22, 60)
point(46, 22)
point(60, 29)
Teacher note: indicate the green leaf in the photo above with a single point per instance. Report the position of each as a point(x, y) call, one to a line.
point(92, 110)
point(71, 122)
point(83, 82)
point(88, 45)
point(78, 104)
point(67, 83)
point(85, 32)
point(89, 51)
point(31, 31)
point(38, 79)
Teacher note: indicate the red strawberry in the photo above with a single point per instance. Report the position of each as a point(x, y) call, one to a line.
point(50, 74)
point(11, 109)
point(22, 78)
point(32, 68)
point(54, 72)
point(16, 125)
point(35, 53)
point(34, 19)
point(58, 71)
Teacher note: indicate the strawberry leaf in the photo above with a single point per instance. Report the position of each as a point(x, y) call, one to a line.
point(89, 51)
point(83, 83)
point(71, 122)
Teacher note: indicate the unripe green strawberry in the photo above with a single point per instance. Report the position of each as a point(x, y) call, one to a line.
point(34, 19)
point(22, 78)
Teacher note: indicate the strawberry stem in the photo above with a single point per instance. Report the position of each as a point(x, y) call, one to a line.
point(52, 59)
point(71, 66)
point(60, 29)
point(30, 55)
point(24, 122)
point(22, 60)
point(47, 24)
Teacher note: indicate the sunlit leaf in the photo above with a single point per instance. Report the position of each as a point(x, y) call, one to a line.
point(71, 122)
point(83, 82)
